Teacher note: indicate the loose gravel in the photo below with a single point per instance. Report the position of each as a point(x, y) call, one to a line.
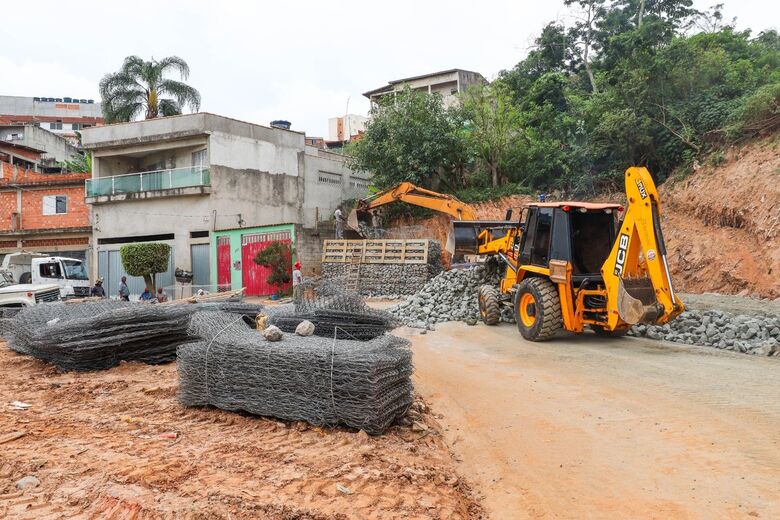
point(750, 334)
point(452, 296)
point(449, 296)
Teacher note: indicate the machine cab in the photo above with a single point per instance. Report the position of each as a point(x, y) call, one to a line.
point(576, 232)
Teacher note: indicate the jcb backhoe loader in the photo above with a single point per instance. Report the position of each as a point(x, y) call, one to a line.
point(574, 264)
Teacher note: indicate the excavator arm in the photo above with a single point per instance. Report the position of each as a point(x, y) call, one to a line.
point(636, 272)
point(414, 195)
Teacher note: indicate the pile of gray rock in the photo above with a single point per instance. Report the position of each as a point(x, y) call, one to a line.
point(449, 296)
point(751, 334)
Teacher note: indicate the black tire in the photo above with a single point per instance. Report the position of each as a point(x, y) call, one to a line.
point(601, 331)
point(545, 310)
point(489, 308)
point(25, 278)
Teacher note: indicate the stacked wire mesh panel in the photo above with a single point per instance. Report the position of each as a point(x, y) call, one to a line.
point(99, 335)
point(322, 380)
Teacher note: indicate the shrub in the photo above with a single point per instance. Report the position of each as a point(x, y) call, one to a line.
point(277, 256)
point(146, 260)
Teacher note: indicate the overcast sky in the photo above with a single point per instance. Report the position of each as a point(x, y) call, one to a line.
point(304, 61)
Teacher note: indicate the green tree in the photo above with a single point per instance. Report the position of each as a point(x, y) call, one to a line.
point(411, 137)
point(146, 260)
point(78, 163)
point(141, 87)
point(493, 126)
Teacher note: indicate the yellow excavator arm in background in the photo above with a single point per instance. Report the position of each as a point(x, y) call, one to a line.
point(416, 196)
point(636, 272)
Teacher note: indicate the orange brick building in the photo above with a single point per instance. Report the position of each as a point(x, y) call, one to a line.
point(43, 212)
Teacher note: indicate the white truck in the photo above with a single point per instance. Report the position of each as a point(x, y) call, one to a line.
point(36, 269)
point(14, 294)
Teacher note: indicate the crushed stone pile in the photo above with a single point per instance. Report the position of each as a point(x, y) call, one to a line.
point(99, 335)
point(449, 296)
point(751, 334)
point(323, 381)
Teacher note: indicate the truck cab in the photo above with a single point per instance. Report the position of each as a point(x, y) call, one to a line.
point(69, 274)
point(16, 295)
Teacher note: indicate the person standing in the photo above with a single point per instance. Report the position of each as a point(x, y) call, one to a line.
point(98, 291)
point(297, 280)
point(124, 291)
point(339, 224)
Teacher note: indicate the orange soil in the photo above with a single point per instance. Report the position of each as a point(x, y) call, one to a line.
point(102, 445)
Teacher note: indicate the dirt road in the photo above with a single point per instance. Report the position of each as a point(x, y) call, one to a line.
point(588, 428)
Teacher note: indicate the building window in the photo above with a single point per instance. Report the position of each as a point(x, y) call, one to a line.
point(76, 126)
point(358, 183)
point(329, 178)
point(199, 159)
point(55, 126)
point(55, 205)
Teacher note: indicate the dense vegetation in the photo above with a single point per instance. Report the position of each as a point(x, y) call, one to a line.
point(647, 82)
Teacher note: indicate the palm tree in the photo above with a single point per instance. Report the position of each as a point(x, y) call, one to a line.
point(140, 85)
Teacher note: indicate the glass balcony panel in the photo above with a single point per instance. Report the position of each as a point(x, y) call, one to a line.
point(149, 181)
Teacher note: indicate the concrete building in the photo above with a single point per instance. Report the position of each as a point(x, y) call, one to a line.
point(216, 189)
point(344, 128)
point(43, 212)
point(33, 147)
point(63, 116)
point(448, 83)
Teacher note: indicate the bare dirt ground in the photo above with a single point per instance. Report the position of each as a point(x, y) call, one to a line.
point(117, 445)
point(722, 223)
point(583, 427)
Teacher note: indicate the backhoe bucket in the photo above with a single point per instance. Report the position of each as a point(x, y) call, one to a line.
point(636, 301)
point(352, 220)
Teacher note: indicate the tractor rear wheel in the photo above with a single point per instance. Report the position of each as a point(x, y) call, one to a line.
point(489, 308)
point(537, 309)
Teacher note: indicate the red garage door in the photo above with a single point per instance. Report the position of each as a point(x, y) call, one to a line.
point(223, 264)
point(256, 276)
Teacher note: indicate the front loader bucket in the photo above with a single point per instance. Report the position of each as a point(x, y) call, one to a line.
point(463, 238)
point(636, 301)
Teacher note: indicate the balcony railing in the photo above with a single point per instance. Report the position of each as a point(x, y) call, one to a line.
point(148, 181)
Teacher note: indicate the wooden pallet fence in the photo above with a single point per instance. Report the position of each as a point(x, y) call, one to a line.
point(376, 251)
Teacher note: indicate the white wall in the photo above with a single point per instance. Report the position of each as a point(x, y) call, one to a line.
point(245, 153)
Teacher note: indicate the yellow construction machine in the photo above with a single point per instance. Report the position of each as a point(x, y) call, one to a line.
point(575, 264)
point(410, 194)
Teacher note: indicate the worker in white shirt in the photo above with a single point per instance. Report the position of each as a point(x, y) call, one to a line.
point(339, 224)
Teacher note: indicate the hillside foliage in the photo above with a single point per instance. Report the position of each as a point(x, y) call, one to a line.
point(624, 82)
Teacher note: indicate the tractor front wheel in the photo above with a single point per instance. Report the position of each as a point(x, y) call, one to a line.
point(489, 308)
point(537, 309)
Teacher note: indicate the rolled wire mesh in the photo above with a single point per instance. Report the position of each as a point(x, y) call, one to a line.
point(334, 310)
point(99, 335)
point(324, 381)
